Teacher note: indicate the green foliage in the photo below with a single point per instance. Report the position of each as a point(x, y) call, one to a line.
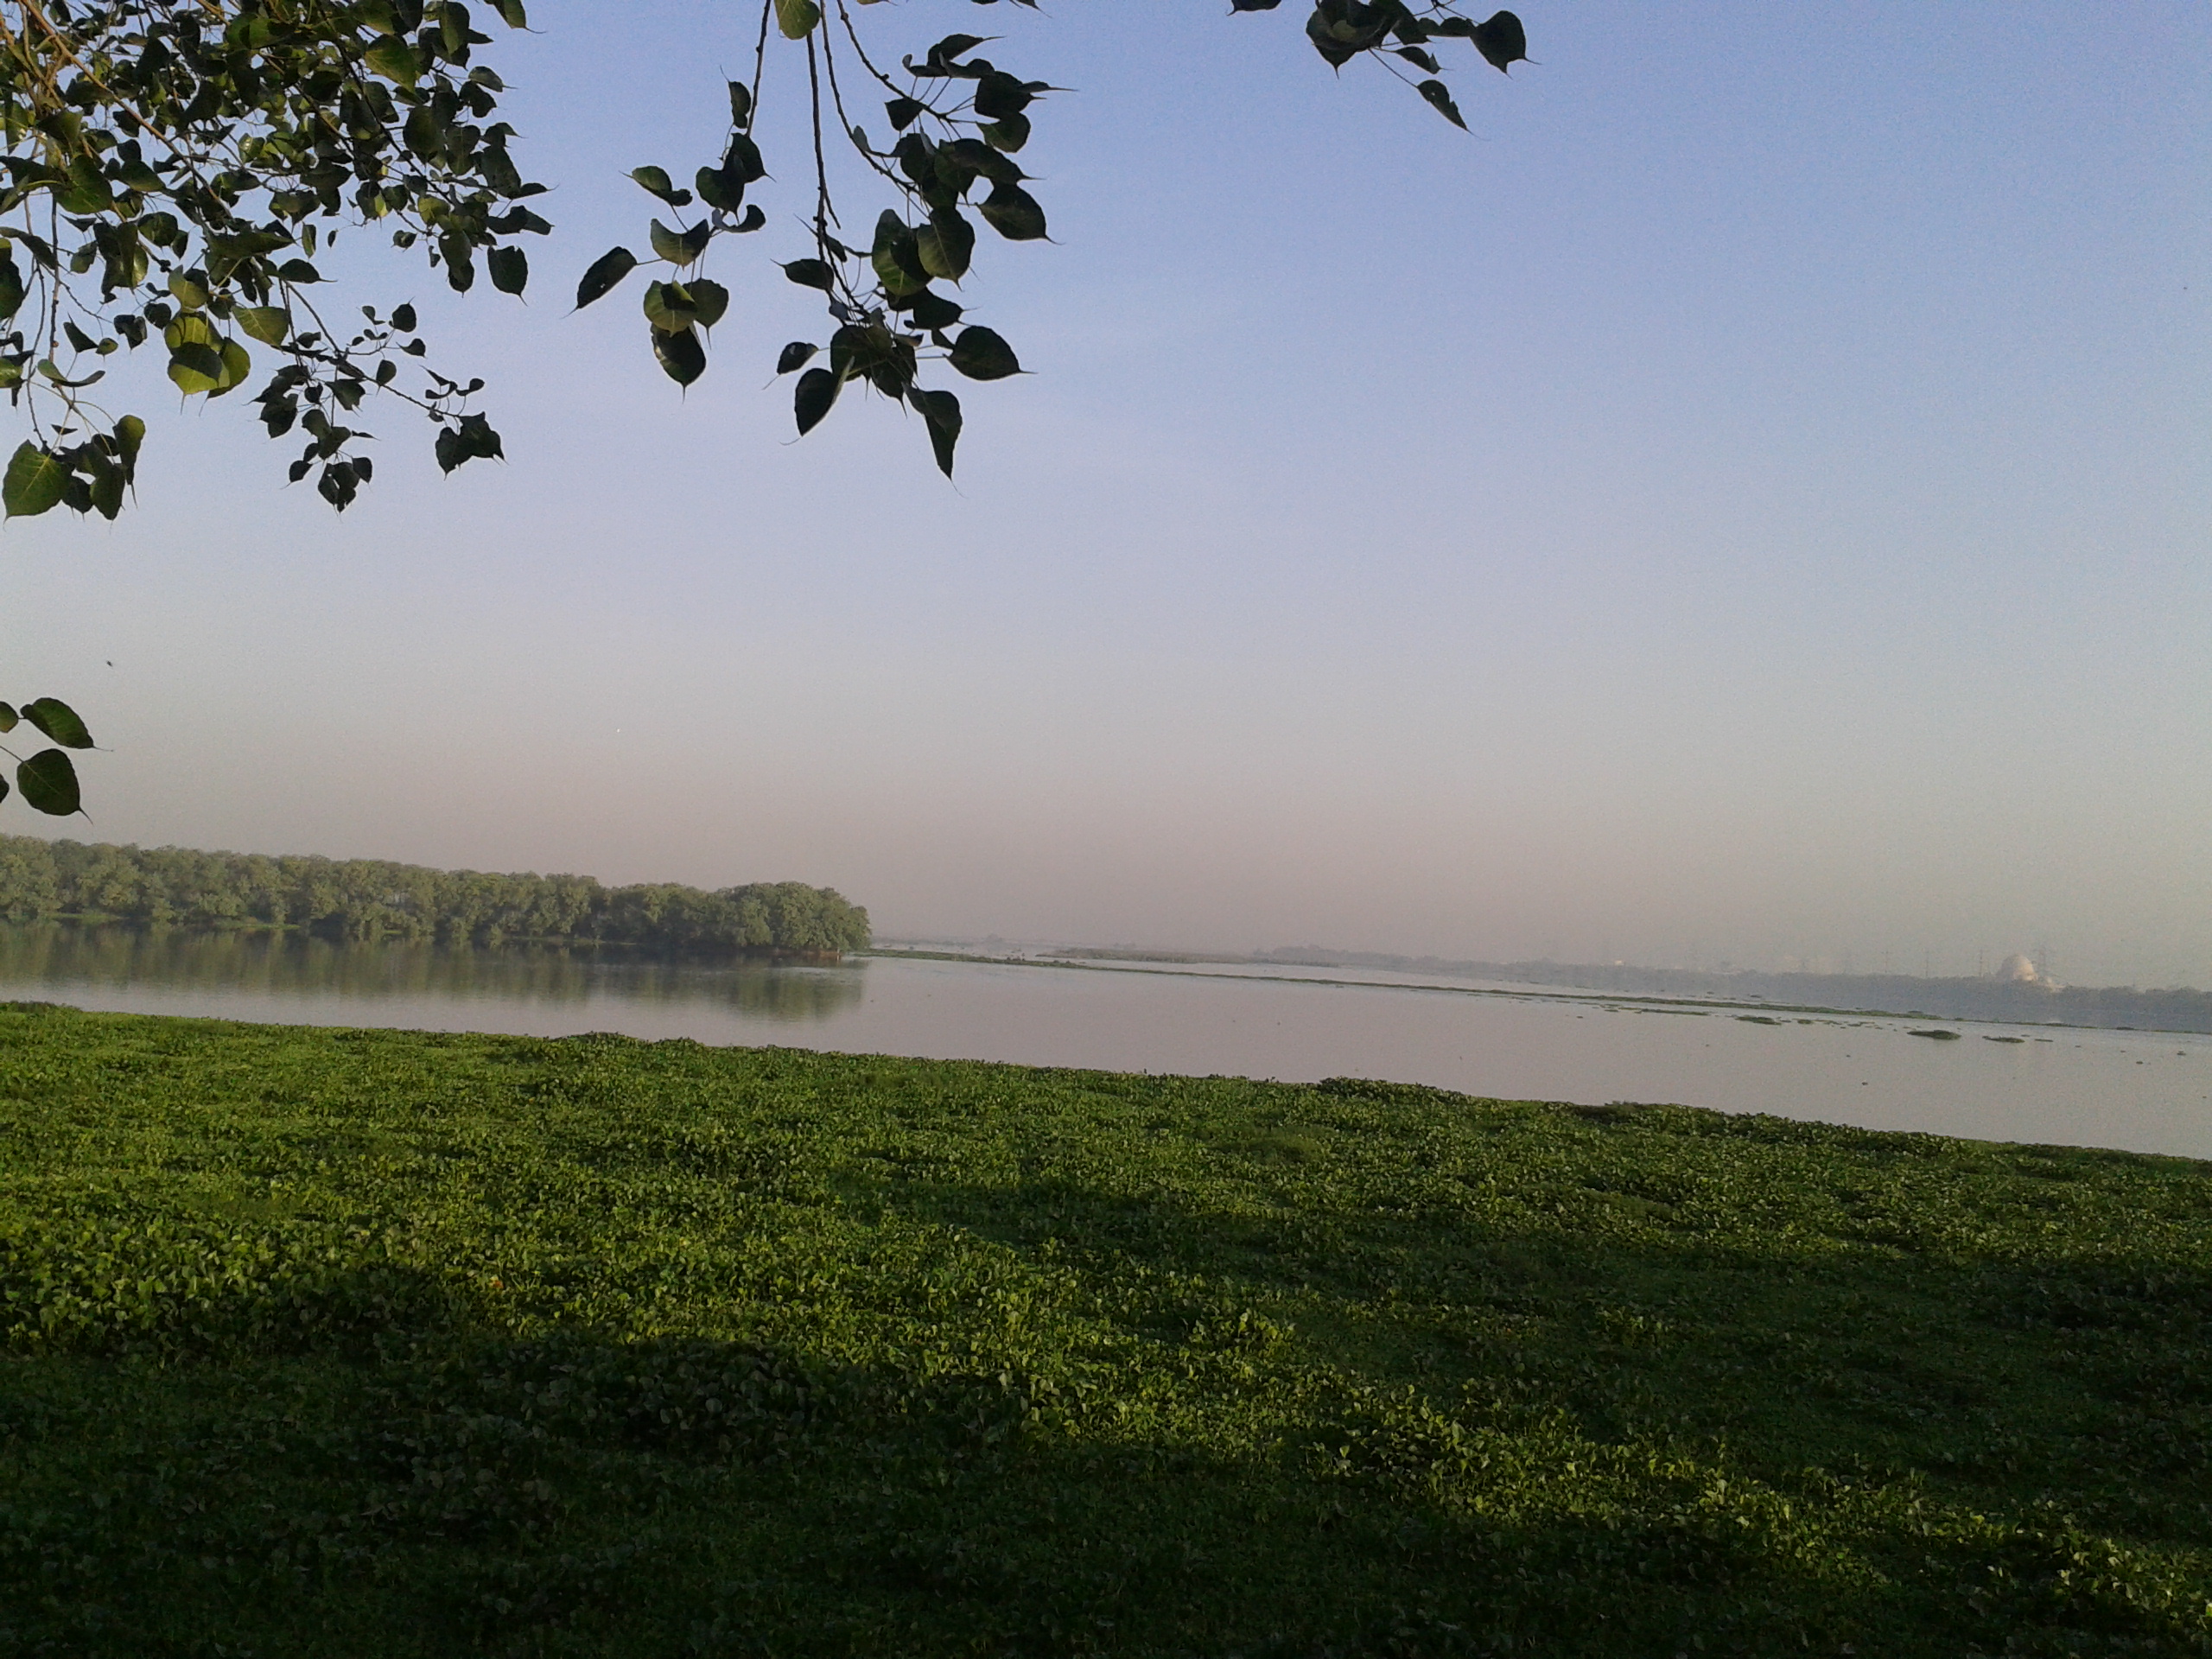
point(48, 779)
point(173, 167)
point(370, 898)
point(394, 1343)
point(958, 119)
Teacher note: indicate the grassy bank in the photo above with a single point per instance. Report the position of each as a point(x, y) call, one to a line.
point(377, 1343)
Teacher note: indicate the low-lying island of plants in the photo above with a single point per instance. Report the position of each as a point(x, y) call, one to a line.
point(383, 1342)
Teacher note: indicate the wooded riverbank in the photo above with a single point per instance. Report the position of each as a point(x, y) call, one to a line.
point(375, 898)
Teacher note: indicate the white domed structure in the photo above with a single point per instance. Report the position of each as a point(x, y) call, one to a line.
point(2018, 969)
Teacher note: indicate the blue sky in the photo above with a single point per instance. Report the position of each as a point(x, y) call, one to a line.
point(1748, 500)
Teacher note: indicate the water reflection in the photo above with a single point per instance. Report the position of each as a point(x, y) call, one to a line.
point(2148, 1092)
point(289, 965)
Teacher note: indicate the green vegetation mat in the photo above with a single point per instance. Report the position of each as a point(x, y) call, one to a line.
point(381, 1342)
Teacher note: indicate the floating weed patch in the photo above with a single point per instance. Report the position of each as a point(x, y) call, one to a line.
point(381, 1343)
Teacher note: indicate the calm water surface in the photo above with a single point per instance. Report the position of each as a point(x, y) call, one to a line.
point(2146, 1091)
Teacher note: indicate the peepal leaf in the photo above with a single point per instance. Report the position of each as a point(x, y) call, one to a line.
point(794, 356)
point(818, 390)
point(195, 367)
point(941, 410)
point(654, 180)
point(1014, 213)
point(680, 248)
point(670, 307)
point(267, 323)
point(709, 300)
point(49, 783)
point(1502, 42)
point(608, 270)
point(58, 721)
point(720, 189)
point(394, 60)
point(34, 482)
point(1440, 98)
point(945, 245)
point(682, 357)
point(510, 269)
point(981, 354)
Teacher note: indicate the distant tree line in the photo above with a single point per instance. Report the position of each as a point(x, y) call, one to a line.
point(370, 899)
point(2122, 1008)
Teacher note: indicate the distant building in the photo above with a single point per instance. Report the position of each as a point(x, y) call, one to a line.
point(2018, 969)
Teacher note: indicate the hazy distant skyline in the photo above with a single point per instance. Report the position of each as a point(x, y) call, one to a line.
point(1749, 500)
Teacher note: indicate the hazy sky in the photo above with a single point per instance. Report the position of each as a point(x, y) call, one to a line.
point(1749, 500)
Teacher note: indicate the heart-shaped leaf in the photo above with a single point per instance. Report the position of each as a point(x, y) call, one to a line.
point(743, 159)
point(983, 355)
point(1009, 134)
point(941, 409)
point(58, 721)
point(196, 368)
point(34, 483)
point(720, 189)
point(709, 300)
point(49, 781)
point(236, 365)
point(793, 356)
point(979, 157)
point(510, 269)
point(269, 324)
point(394, 60)
point(682, 357)
point(680, 248)
point(609, 269)
point(1502, 41)
point(955, 46)
point(932, 311)
point(945, 245)
point(1014, 213)
point(1440, 99)
point(817, 391)
point(669, 307)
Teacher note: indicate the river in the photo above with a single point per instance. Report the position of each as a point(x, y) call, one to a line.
point(2145, 1091)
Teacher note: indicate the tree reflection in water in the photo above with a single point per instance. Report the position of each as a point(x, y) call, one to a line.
point(296, 964)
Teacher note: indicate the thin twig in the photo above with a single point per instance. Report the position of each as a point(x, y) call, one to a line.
point(760, 63)
point(845, 17)
point(852, 133)
point(825, 214)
